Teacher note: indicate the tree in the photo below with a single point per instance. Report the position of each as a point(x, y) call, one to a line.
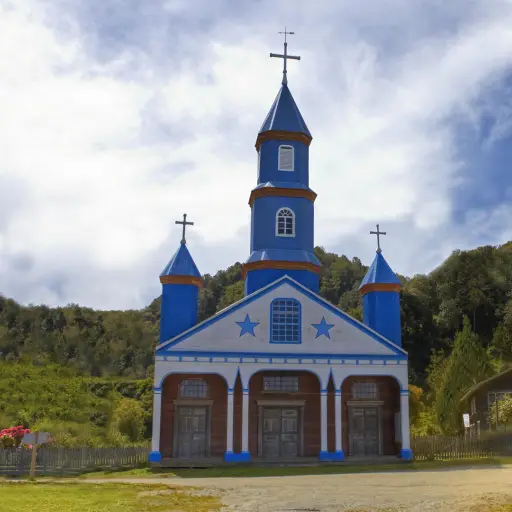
point(467, 365)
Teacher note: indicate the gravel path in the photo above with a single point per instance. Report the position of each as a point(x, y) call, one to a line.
point(415, 491)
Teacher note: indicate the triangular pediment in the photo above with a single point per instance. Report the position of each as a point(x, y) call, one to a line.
point(246, 327)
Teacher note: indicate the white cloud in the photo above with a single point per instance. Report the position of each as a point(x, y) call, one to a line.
point(96, 165)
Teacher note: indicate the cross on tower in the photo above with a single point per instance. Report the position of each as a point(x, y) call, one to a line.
point(184, 223)
point(285, 55)
point(378, 233)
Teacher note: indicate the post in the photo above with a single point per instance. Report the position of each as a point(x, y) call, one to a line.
point(245, 425)
point(339, 455)
point(324, 455)
point(405, 452)
point(155, 455)
point(229, 427)
point(34, 456)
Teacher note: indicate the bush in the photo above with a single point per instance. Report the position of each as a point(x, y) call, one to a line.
point(129, 418)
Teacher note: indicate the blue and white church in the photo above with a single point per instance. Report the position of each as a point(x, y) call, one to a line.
point(282, 374)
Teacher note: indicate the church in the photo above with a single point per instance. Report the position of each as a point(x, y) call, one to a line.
point(282, 374)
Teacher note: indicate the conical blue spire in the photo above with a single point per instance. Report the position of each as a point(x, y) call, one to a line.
point(181, 264)
point(284, 115)
point(379, 272)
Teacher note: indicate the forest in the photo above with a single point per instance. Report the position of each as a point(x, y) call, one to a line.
point(456, 327)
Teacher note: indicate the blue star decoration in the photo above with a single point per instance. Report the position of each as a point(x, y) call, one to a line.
point(323, 328)
point(247, 327)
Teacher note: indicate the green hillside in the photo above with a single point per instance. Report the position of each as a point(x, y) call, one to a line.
point(69, 353)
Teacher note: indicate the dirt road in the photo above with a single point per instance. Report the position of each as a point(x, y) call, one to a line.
point(415, 491)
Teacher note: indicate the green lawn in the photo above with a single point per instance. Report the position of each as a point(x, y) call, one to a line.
point(252, 471)
point(108, 497)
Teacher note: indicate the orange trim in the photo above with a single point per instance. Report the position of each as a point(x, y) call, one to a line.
point(281, 135)
point(281, 192)
point(197, 281)
point(379, 287)
point(281, 265)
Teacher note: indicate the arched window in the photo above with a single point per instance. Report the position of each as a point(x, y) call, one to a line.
point(285, 222)
point(285, 321)
point(285, 160)
point(193, 388)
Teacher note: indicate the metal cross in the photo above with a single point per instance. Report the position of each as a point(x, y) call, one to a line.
point(285, 55)
point(184, 223)
point(378, 233)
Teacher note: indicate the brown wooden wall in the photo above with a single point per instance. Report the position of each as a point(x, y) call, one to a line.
point(309, 391)
point(218, 392)
point(389, 393)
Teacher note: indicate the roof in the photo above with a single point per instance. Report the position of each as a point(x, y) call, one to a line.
point(484, 383)
point(295, 255)
point(181, 264)
point(284, 115)
point(379, 272)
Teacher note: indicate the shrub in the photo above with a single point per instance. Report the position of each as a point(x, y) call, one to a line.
point(129, 417)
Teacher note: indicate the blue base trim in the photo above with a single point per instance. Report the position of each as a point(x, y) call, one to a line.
point(155, 457)
point(237, 457)
point(406, 454)
point(331, 456)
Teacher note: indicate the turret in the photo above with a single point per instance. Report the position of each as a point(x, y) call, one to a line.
point(380, 290)
point(282, 204)
point(181, 281)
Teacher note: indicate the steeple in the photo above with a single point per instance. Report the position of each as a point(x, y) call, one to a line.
point(380, 290)
point(282, 204)
point(180, 281)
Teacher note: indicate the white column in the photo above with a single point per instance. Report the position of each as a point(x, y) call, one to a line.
point(155, 455)
point(323, 421)
point(337, 412)
point(229, 429)
point(245, 421)
point(406, 452)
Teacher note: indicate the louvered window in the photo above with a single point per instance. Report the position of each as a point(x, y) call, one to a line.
point(285, 158)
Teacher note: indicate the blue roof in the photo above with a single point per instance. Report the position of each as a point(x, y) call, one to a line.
point(294, 255)
point(181, 264)
point(284, 114)
point(379, 272)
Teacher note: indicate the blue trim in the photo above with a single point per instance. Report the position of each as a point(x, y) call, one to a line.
point(406, 454)
point(237, 457)
point(155, 457)
point(305, 291)
point(332, 456)
point(157, 390)
point(337, 392)
point(404, 392)
point(286, 324)
point(283, 355)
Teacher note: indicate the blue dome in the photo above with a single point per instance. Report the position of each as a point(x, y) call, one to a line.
point(284, 115)
point(181, 264)
point(379, 272)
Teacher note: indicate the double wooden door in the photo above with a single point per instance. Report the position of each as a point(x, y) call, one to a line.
point(364, 430)
point(192, 432)
point(280, 435)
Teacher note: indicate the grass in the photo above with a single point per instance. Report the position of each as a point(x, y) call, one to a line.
point(111, 497)
point(253, 471)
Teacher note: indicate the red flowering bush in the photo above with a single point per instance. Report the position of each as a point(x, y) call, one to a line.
point(12, 436)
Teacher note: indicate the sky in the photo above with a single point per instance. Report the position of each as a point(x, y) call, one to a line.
point(119, 116)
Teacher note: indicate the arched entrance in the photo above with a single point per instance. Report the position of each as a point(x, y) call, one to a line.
point(284, 414)
point(194, 421)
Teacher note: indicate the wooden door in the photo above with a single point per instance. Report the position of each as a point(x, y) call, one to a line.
point(192, 432)
point(280, 432)
point(364, 431)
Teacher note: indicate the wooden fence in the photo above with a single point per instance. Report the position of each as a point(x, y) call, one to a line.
point(69, 461)
point(446, 448)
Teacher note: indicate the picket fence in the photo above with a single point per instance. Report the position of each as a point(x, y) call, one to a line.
point(458, 448)
point(70, 461)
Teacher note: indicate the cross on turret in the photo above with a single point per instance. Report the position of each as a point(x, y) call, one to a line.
point(184, 223)
point(285, 55)
point(378, 233)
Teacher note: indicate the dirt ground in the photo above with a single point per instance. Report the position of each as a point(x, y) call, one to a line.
point(477, 489)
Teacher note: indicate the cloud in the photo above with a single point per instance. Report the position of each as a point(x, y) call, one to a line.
point(116, 120)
